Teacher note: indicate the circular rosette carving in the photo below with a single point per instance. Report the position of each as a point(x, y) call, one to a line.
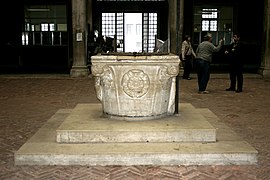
point(135, 83)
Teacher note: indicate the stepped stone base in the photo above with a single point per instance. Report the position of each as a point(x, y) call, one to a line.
point(43, 149)
point(85, 124)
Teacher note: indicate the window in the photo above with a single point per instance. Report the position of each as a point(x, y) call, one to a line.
point(120, 32)
point(216, 20)
point(138, 29)
point(209, 19)
point(108, 24)
point(149, 31)
point(129, 29)
point(45, 25)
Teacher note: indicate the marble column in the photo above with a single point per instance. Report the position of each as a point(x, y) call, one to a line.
point(172, 26)
point(176, 23)
point(265, 65)
point(176, 19)
point(79, 31)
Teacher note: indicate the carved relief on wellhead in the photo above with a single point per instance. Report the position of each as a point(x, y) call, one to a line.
point(165, 74)
point(172, 71)
point(97, 70)
point(135, 83)
point(104, 80)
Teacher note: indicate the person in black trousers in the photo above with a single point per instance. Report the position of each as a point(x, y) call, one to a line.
point(187, 52)
point(204, 54)
point(233, 52)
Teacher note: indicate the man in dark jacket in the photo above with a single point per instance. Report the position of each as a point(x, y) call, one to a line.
point(233, 52)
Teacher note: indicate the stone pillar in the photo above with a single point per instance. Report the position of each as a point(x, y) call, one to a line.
point(90, 15)
point(176, 21)
point(172, 25)
point(265, 65)
point(79, 31)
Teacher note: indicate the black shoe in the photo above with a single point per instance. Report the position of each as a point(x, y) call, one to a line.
point(230, 89)
point(238, 90)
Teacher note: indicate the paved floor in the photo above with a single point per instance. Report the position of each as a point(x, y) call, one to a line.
point(28, 101)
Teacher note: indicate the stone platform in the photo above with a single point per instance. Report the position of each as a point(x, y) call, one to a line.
point(85, 124)
point(80, 136)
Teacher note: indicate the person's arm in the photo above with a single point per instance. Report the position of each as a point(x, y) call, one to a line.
point(197, 50)
point(217, 48)
point(193, 53)
point(183, 50)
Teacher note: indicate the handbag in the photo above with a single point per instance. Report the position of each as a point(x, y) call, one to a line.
point(185, 54)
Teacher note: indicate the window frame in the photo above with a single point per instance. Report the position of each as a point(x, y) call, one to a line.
point(38, 23)
point(223, 27)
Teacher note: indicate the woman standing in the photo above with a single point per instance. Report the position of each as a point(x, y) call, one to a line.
point(187, 53)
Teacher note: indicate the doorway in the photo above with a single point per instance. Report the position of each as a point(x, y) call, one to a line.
point(133, 32)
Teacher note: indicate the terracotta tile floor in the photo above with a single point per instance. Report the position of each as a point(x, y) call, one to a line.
point(27, 102)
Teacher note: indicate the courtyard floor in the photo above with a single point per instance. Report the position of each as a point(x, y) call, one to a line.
point(28, 101)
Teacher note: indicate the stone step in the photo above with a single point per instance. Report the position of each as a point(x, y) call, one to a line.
point(220, 153)
point(229, 149)
point(85, 124)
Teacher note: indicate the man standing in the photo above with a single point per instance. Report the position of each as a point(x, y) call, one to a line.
point(204, 54)
point(235, 64)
